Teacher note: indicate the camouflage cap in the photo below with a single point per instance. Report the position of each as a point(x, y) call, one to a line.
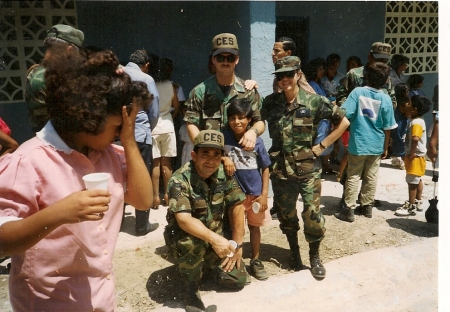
point(287, 63)
point(209, 138)
point(67, 33)
point(381, 50)
point(225, 43)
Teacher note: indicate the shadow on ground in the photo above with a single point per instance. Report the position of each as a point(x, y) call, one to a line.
point(415, 227)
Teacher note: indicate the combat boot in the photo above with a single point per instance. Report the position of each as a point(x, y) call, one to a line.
point(192, 299)
point(142, 225)
point(345, 214)
point(295, 259)
point(365, 211)
point(317, 269)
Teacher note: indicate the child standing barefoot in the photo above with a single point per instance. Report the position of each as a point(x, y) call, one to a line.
point(255, 185)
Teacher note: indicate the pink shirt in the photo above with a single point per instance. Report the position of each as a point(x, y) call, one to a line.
point(71, 268)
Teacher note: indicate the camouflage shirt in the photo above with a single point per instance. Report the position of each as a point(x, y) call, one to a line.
point(207, 105)
point(355, 78)
point(293, 129)
point(35, 97)
point(205, 199)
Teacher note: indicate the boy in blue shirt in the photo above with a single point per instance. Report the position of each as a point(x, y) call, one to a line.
point(371, 116)
point(248, 167)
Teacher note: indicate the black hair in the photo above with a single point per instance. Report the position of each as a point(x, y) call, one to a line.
point(165, 66)
point(139, 57)
point(397, 60)
point(312, 67)
point(421, 103)
point(356, 59)
point(414, 81)
point(401, 93)
point(332, 59)
point(376, 74)
point(239, 107)
point(288, 44)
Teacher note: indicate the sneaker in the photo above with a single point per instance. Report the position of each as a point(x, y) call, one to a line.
point(406, 209)
point(395, 161)
point(257, 270)
point(418, 204)
point(273, 213)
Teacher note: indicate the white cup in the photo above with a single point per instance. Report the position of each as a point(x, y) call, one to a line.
point(255, 207)
point(96, 181)
point(234, 244)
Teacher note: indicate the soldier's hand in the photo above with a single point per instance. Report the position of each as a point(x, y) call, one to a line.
point(229, 263)
point(248, 140)
point(222, 246)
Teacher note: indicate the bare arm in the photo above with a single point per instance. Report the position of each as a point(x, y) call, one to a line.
point(387, 138)
point(192, 131)
point(18, 236)
point(333, 136)
point(196, 228)
point(432, 145)
point(139, 183)
point(175, 103)
point(262, 199)
point(7, 144)
point(237, 220)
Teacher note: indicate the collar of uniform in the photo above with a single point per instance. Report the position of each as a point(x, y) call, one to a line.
point(49, 135)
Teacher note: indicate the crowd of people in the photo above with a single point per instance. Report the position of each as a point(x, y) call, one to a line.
point(201, 157)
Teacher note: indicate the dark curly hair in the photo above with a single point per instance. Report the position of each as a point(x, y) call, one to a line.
point(376, 74)
point(312, 67)
point(421, 103)
point(83, 90)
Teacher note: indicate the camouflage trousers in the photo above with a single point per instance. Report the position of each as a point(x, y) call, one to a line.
point(194, 255)
point(285, 200)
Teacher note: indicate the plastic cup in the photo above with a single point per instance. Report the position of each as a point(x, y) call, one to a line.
point(96, 181)
point(234, 244)
point(255, 207)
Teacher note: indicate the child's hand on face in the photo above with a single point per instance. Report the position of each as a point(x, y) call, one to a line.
point(87, 205)
point(129, 119)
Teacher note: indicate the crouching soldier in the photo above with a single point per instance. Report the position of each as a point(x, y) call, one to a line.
point(200, 194)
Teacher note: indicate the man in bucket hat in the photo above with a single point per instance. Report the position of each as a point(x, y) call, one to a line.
point(208, 101)
point(60, 39)
point(200, 194)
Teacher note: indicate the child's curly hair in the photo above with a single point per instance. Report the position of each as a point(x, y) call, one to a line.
point(83, 90)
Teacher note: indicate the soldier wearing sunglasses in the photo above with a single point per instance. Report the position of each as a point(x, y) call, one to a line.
point(208, 101)
point(293, 116)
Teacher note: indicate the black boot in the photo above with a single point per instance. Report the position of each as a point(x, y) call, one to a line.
point(317, 268)
point(345, 214)
point(192, 300)
point(365, 211)
point(143, 226)
point(295, 259)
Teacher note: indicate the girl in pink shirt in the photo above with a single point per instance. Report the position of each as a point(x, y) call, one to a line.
point(60, 236)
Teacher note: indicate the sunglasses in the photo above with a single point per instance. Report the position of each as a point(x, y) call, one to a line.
point(230, 58)
point(281, 75)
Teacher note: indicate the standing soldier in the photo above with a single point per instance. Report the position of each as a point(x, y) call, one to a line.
point(200, 194)
point(292, 117)
point(61, 39)
point(208, 101)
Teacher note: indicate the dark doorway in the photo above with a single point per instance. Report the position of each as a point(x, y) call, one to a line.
point(297, 29)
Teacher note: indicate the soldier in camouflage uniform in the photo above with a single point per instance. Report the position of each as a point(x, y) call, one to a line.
point(208, 101)
point(200, 194)
point(292, 118)
point(60, 39)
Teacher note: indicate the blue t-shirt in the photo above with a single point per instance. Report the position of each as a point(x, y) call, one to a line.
point(370, 112)
point(248, 163)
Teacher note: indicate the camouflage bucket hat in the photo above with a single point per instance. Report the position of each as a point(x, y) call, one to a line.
point(209, 138)
point(287, 63)
point(67, 33)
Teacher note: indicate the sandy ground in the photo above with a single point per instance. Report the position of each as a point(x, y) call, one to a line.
point(145, 275)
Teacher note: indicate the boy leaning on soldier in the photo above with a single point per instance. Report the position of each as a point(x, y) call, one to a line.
point(200, 194)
